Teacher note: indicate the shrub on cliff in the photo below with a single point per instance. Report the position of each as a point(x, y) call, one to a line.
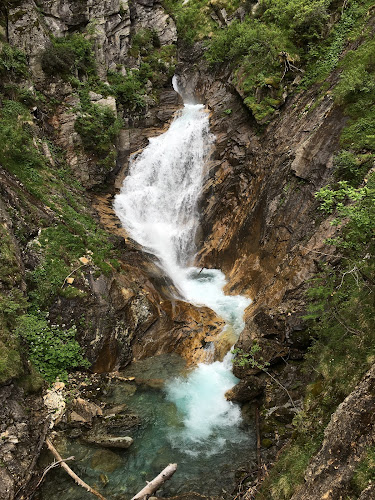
point(71, 55)
point(304, 20)
point(13, 62)
point(53, 350)
point(130, 89)
point(98, 127)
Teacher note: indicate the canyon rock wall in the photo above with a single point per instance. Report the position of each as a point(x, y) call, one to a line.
point(260, 219)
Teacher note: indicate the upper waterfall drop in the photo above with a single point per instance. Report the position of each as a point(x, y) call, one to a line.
point(158, 200)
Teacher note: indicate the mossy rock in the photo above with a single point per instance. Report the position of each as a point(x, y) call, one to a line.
point(266, 443)
point(32, 382)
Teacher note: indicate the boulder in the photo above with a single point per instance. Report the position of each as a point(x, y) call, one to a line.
point(83, 411)
point(246, 390)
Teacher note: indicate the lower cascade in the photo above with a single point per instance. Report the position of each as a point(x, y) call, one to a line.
point(158, 207)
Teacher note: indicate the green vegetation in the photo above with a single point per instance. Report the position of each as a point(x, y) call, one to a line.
point(69, 56)
point(130, 90)
point(342, 297)
point(356, 91)
point(157, 65)
point(18, 153)
point(303, 21)
point(365, 473)
point(12, 62)
point(194, 18)
point(98, 127)
point(52, 350)
point(287, 38)
point(256, 47)
point(323, 57)
point(12, 303)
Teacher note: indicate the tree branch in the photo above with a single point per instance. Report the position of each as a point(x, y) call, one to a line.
point(72, 474)
point(155, 484)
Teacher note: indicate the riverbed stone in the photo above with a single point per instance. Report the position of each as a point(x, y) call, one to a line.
point(106, 461)
point(122, 442)
point(84, 411)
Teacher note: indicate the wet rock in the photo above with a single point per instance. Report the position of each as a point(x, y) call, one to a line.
point(114, 410)
point(246, 390)
point(122, 442)
point(126, 423)
point(83, 411)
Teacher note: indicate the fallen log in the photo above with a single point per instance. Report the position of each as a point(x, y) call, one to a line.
point(155, 484)
point(72, 474)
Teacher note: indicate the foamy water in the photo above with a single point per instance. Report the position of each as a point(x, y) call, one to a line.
point(158, 207)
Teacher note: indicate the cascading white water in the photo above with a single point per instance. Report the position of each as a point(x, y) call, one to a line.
point(158, 207)
point(158, 200)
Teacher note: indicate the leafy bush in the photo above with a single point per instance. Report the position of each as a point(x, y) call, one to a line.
point(129, 90)
point(13, 62)
point(71, 55)
point(351, 167)
point(98, 127)
point(305, 20)
point(52, 350)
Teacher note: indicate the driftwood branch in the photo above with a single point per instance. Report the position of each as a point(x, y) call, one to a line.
point(288, 65)
point(155, 484)
point(72, 474)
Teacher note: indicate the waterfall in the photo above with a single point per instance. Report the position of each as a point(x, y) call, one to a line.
point(158, 207)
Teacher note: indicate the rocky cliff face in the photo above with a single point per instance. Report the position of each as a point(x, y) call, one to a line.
point(347, 438)
point(31, 24)
point(259, 213)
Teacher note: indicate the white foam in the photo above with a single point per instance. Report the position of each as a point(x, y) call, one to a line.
point(158, 207)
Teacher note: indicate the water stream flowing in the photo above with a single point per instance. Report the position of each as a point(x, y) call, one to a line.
point(183, 414)
point(158, 207)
